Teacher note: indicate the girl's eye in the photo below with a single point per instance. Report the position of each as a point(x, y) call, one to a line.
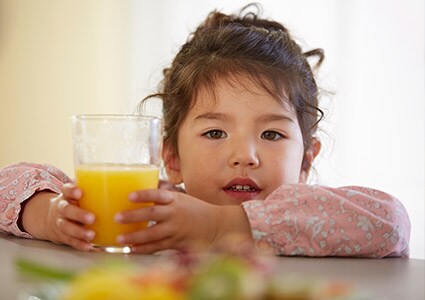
point(215, 134)
point(271, 135)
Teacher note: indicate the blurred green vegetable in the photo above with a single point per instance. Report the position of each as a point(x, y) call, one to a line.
point(36, 270)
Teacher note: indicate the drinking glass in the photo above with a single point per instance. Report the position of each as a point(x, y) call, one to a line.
point(115, 155)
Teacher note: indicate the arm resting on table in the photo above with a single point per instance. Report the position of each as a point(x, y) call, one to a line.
point(20, 183)
point(309, 220)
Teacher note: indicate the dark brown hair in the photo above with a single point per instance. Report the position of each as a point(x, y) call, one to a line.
point(245, 44)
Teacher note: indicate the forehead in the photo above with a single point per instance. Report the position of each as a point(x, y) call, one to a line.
point(242, 89)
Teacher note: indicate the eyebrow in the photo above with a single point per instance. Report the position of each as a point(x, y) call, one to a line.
point(276, 117)
point(212, 116)
point(263, 118)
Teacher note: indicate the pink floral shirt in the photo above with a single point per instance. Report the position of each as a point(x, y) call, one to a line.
point(296, 219)
point(18, 182)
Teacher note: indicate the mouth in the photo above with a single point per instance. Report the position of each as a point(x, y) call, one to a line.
point(242, 189)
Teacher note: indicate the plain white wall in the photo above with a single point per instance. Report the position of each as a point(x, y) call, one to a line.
point(60, 57)
point(374, 132)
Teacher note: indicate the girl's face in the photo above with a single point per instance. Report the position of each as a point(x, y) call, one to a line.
point(236, 144)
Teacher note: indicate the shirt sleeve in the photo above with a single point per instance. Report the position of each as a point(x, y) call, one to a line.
point(309, 220)
point(18, 182)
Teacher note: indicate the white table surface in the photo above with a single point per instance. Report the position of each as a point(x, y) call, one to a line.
point(391, 278)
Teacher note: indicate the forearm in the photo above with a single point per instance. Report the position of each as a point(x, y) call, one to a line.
point(34, 213)
point(19, 183)
point(321, 221)
point(235, 230)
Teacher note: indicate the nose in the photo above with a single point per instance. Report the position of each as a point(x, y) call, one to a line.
point(244, 155)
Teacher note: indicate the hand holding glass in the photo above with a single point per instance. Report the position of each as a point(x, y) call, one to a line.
point(115, 155)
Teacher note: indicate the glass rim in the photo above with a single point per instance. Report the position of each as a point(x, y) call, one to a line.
point(115, 117)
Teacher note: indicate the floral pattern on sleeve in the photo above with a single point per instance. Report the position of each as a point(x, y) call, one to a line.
point(18, 182)
point(309, 220)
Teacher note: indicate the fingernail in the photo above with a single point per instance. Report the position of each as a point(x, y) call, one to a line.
point(118, 218)
point(89, 218)
point(121, 239)
point(169, 197)
point(62, 204)
point(88, 247)
point(89, 235)
point(77, 193)
point(132, 196)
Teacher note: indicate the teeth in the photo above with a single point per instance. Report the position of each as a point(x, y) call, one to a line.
point(244, 188)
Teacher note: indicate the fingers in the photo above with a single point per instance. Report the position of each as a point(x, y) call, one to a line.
point(67, 220)
point(75, 235)
point(158, 237)
point(75, 213)
point(166, 185)
point(71, 192)
point(151, 213)
point(151, 247)
point(157, 196)
point(163, 235)
point(80, 245)
point(155, 234)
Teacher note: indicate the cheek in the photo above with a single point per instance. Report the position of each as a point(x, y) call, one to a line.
point(196, 163)
point(197, 181)
point(288, 173)
point(286, 168)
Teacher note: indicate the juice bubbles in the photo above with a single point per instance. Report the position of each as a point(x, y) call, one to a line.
point(105, 193)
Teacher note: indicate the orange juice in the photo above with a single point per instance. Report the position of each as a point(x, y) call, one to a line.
point(105, 193)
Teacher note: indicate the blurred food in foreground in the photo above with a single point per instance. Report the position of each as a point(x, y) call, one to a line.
point(192, 277)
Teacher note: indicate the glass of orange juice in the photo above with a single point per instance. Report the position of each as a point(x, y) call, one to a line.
point(115, 155)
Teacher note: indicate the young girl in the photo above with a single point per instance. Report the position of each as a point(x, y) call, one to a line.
point(241, 113)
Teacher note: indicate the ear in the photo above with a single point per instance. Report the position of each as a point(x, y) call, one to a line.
point(308, 159)
point(172, 165)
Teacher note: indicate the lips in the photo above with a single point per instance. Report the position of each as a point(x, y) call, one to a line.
point(242, 189)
